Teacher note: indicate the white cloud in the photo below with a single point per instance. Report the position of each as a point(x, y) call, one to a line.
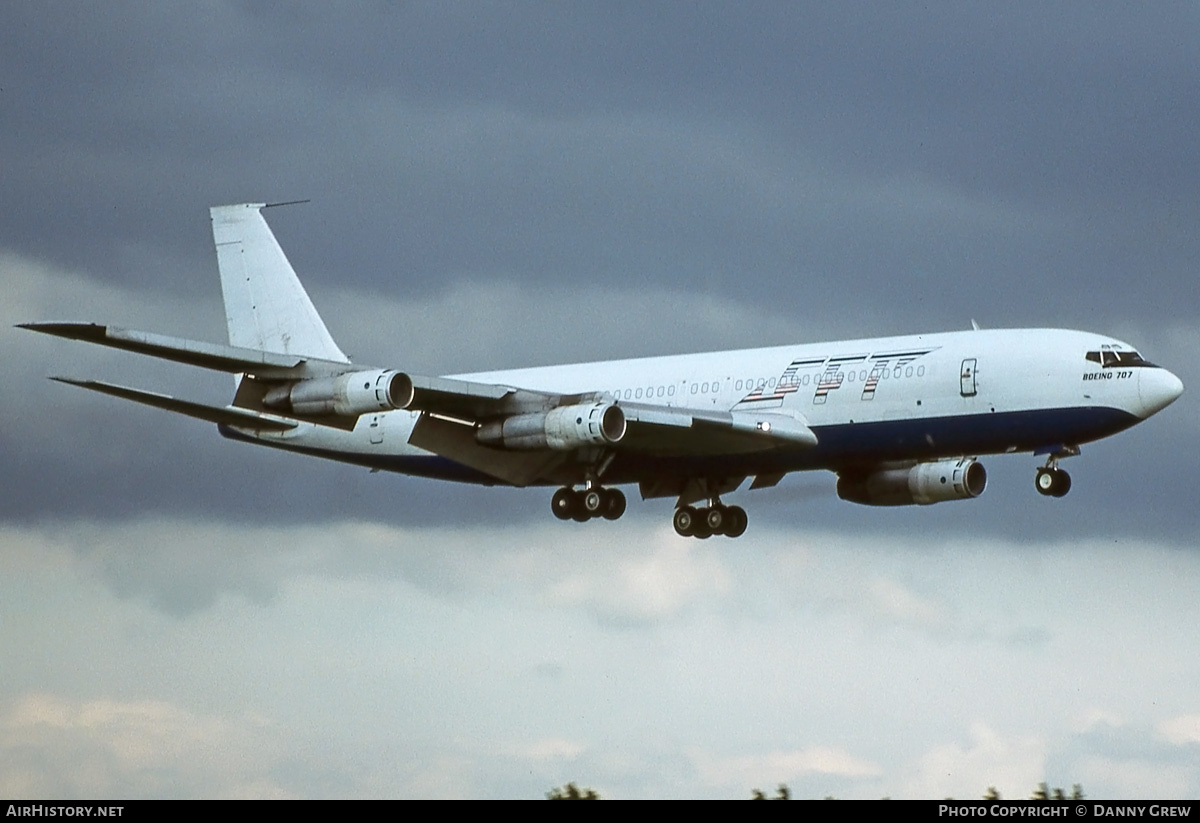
point(893, 602)
point(784, 766)
point(546, 749)
point(850, 665)
point(1107, 777)
point(53, 746)
point(657, 581)
point(1182, 730)
point(1014, 764)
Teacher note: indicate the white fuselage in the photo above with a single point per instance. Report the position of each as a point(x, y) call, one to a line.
point(869, 401)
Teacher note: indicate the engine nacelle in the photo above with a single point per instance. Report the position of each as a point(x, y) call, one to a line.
point(350, 395)
point(564, 428)
point(921, 484)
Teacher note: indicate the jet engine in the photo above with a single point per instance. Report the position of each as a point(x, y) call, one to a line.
point(347, 394)
point(563, 428)
point(921, 484)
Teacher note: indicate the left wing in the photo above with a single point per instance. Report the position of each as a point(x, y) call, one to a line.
point(232, 359)
point(229, 415)
point(516, 435)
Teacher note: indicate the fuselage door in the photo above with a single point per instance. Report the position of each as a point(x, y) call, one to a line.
point(967, 378)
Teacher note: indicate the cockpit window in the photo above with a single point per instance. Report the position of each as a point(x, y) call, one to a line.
point(1110, 357)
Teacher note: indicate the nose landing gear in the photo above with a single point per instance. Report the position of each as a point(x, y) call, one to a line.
point(1052, 481)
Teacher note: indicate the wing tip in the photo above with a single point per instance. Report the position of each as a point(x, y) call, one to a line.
point(69, 330)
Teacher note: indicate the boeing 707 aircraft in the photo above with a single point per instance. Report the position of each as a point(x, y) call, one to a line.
point(900, 420)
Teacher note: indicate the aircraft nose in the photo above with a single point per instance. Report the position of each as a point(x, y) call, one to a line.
point(1157, 389)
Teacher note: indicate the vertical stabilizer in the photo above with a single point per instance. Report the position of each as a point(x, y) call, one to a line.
point(266, 308)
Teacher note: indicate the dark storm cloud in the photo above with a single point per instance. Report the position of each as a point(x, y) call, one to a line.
point(900, 170)
point(953, 154)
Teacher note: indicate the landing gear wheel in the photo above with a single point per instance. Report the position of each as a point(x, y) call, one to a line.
point(614, 504)
point(593, 501)
point(735, 521)
point(1044, 481)
point(715, 519)
point(1063, 484)
point(1052, 482)
point(685, 521)
point(563, 503)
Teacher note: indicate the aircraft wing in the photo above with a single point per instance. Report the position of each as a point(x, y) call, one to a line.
point(450, 421)
point(656, 429)
point(453, 411)
point(682, 431)
point(228, 415)
point(232, 359)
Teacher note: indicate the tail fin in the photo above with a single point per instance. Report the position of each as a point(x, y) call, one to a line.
point(266, 308)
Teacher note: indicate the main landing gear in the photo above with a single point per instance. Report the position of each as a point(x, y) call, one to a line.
point(730, 521)
point(593, 501)
point(1051, 480)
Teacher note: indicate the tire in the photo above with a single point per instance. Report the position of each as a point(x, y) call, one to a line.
point(715, 519)
point(1062, 484)
point(563, 503)
point(614, 504)
point(685, 521)
point(736, 521)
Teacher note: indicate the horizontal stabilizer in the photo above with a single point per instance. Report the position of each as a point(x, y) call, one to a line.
point(228, 415)
point(232, 359)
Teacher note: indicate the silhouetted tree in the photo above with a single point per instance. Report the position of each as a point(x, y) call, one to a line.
point(782, 793)
point(572, 792)
point(1042, 792)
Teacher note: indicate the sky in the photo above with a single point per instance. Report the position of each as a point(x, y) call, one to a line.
point(501, 185)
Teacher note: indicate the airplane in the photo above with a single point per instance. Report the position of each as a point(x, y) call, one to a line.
point(899, 420)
